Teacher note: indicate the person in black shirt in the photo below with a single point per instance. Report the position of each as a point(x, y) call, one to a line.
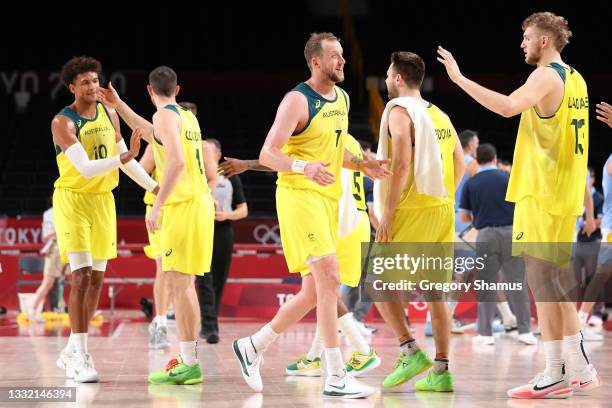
point(231, 206)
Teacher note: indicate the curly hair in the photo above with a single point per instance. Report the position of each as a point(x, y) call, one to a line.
point(556, 25)
point(79, 65)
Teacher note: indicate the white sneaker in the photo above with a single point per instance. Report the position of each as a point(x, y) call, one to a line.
point(83, 369)
point(543, 386)
point(527, 338)
point(365, 331)
point(345, 387)
point(64, 361)
point(595, 322)
point(249, 362)
point(511, 324)
point(584, 380)
point(457, 327)
point(590, 335)
point(483, 340)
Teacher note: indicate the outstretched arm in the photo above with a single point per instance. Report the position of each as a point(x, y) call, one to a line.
point(231, 166)
point(110, 98)
point(539, 84)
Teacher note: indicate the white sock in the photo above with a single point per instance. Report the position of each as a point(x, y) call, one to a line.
point(452, 305)
point(504, 310)
point(440, 365)
point(263, 338)
point(316, 347)
point(80, 342)
point(582, 317)
point(574, 350)
point(553, 352)
point(70, 347)
point(349, 329)
point(409, 347)
point(335, 364)
point(161, 320)
point(189, 352)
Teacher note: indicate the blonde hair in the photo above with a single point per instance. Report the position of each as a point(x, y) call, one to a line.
point(314, 45)
point(556, 25)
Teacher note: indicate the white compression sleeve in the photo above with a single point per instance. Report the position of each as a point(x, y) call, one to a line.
point(135, 171)
point(90, 168)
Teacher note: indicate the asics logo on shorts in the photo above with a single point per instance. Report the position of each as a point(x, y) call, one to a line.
point(169, 252)
point(311, 236)
point(519, 236)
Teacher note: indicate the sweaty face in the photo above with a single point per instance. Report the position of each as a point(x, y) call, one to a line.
point(85, 86)
point(392, 91)
point(531, 45)
point(332, 62)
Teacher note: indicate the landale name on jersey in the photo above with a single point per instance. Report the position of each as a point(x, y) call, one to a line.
point(578, 103)
point(335, 112)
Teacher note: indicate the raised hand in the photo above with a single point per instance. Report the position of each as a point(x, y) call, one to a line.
point(109, 96)
point(452, 68)
point(604, 113)
point(134, 147)
point(318, 173)
point(231, 167)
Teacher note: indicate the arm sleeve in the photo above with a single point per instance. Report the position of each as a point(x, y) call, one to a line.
point(134, 170)
point(90, 168)
point(238, 191)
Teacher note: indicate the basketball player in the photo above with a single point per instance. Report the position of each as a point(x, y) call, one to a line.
point(89, 148)
point(547, 184)
point(158, 328)
point(182, 213)
point(409, 216)
point(306, 145)
point(364, 358)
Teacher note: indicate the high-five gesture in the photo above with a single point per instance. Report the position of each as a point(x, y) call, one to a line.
point(452, 68)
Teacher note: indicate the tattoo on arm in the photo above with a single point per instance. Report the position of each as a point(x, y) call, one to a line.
point(357, 161)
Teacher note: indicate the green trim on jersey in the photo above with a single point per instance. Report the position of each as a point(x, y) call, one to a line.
point(78, 120)
point(315, 102)
point(559, 68)
point(172, 108)
point(58, 150)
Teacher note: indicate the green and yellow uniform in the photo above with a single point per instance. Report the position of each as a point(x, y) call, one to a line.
point(308, 212)
point(152, 250)
point(548, 176)
point(84, 209)
point(186, 234)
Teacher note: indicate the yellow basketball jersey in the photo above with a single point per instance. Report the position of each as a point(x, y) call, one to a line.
point(550, 157)
point(447, 140)
point(99, 140)
point(149, 197)
point(321, 140)
point(353, 146)
point(192, 181)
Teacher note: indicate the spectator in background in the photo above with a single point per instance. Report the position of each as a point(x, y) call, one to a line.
point(504, 165)
point(469, 142)
point(585, 256)
point(232, 206)
point(483, 204)
point(53, 265)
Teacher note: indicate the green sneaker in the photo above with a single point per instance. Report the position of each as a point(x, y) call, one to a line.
point(177, 372)
point(407, 367)
point(435, 382)
point(305, 367)
point(362, 363)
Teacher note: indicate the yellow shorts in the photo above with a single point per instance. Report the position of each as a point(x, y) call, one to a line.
point(542, 235)
point(424, 227)
point(308, 223)
point(85, 223)
point(429, 224)
point(349, 251)
point(152, 250)
point(186, 235)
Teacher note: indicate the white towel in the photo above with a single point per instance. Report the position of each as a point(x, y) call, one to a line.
point(348, 215)
point(427, 159)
